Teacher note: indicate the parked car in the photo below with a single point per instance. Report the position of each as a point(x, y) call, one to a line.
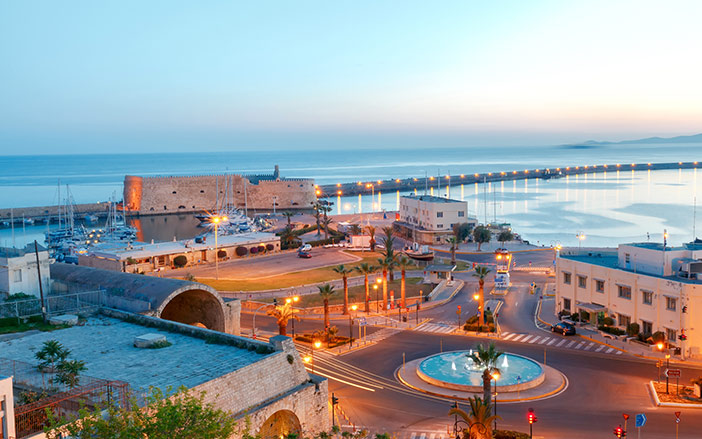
point(305, 248)
point(304, 255)
point(564, 328)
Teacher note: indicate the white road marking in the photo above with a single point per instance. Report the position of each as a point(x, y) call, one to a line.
point(561, 343)
point(600, 348)
point(592, 343)
point(553, 340)
point(544, 340)
point(534, 340)
point(526, 340)
point(571, 344)
point(580, 346)
point(519, 336)
point(608, 350)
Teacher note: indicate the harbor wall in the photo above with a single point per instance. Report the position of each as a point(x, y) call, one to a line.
point(162, 195)
point(40, 212)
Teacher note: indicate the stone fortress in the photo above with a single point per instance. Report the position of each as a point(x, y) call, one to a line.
point(178, 194)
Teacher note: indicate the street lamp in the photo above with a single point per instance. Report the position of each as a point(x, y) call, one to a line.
point(375, 287)
point(216, 220)
point(495, 376)
point(481, 428)
point(581, 238)
point(310, 359)
point(253, 330)
point(353, 308)
point(372, 188)
point(292, 301)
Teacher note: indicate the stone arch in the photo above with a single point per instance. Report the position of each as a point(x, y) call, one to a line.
point(194, 307)
point(280, 424)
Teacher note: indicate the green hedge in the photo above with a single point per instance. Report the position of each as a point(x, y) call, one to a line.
point(611, 330)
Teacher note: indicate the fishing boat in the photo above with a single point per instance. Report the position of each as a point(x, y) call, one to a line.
point(419, 252)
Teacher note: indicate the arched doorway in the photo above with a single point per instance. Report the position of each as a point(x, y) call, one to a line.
point(195, 307)
point(280, 424)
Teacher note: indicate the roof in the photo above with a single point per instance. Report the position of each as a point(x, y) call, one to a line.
point(11, 252)
point(120, 251)
point(441, 268)
point(609, 260)
point(107, 347)
point(653, 246)
point(432, 199)
point(155, 290)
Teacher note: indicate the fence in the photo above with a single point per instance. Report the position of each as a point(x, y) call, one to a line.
point(37, 391)
point(85, 301)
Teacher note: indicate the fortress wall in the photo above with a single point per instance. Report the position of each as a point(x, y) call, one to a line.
point(158, 195)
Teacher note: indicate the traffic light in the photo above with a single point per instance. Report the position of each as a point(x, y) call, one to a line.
point(335, 400)
point(459, 309)
point(531, 416)
point(684, 309)
point(619, 432)
point(682, 336)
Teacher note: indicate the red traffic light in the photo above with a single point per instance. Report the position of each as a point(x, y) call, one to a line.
point(619, 432)
point(459, 307)
point(531, 417)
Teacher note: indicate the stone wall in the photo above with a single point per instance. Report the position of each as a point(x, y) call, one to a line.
point(159, 195)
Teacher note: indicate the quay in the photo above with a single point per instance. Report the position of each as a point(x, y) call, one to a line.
point(419, 183)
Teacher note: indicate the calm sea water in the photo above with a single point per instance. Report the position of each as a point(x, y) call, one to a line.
point(608, 209)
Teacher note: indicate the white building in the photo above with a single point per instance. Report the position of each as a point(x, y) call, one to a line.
point(7, 408)
point(18, 270)
point(658, 288)
point(428, 219)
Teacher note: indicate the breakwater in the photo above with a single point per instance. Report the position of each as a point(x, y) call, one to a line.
point(50, 213)
point(438, 181)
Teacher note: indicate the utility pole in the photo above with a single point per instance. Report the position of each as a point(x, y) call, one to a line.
point(41, 288)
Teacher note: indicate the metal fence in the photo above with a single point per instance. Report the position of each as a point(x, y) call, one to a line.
point(85, 301)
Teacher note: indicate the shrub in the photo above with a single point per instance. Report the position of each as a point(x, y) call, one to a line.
point(180, 261)
point(270, 247)
point(261, 248)
point(241, 251)
point(612, 330)
point(253, 250)
point(160, 344)
point(632, 329)
point(19, 296)
point(658, 336)
point(608, 321)
point(221, 254)
point(509, 434)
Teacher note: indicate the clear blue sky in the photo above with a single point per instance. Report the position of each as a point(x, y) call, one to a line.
point(122, 76)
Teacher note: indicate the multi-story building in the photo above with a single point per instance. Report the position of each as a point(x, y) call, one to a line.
point(655, 286)
point(18, 270)
point(428, 219)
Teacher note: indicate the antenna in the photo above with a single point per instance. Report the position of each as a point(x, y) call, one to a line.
point(694, 219)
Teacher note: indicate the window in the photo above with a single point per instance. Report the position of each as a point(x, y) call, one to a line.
point(566, 278)
point(624, 292)
point(439, 214)
point(566, 304)
point(624, 320)
point(17, 275)
point(646, 327)
point(599, 286)
point(647, 297)
point(582, 281)
point(461, 214)
point(627, 257)
point(670, 303)
point(671, 334)
point(439, 226)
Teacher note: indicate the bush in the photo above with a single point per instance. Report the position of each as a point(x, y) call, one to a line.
point(632, 330)
point(241, 251)
point(321, 242)
point(222, 254)
point(608, 321)
point(19, 296)
point(253, 250)
point(611, 330)
point(180, 261)
point(270, 247)
point(261, 248)
point(509, 434)
point(658, 336)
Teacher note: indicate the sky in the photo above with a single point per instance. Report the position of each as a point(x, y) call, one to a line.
point(134, 76)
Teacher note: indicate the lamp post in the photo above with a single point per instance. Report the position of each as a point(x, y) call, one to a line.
point(581, 238)
point(496, 376)
point(351, 319)
point(291, 301)
point(253, 330)
point(310, 359)
point(661, 346)
point(371, 186)
point(375, 287)
point(216, 220)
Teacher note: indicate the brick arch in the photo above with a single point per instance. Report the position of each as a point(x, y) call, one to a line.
point(280, 424)
point(194, 307)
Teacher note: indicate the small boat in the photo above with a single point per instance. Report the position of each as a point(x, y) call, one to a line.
point(91, 219)
point(419, 252)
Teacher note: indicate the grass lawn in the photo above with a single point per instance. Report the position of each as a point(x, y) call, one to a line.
point(8, 326)
point(294, 279)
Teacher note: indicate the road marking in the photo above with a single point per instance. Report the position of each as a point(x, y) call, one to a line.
point(510, 335)
point(544, 340)
point(592, 343)
point(580, 346)
point(534, 340)
point(553, 340)
point(529, 337)
point(608, 350)
point(561, 343)
point(519, 336)
point(619, 352)
point(600, 348)
point(571, 344)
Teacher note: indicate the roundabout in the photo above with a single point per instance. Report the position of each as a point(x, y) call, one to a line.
point(453, 375)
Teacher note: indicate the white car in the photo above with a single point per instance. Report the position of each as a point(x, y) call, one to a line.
point(305, 248)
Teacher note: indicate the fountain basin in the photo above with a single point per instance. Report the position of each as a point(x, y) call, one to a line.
point(455, 370)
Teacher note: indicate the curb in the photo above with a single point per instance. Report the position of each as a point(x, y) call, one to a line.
point(658, 402)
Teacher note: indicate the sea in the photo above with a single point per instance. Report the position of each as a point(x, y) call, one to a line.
point(608, 208)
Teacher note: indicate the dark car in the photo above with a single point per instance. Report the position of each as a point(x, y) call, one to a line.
point(304, 255)
point(564, 328)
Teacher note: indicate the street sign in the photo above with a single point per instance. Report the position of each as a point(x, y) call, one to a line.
point(672, 373)
point(362, 321)
point(677, 416)
point(640, 420)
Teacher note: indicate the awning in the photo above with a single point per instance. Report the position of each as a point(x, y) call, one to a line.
point(440, 268)
point(592, 307)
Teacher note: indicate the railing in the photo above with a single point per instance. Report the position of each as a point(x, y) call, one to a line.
point(55, 304)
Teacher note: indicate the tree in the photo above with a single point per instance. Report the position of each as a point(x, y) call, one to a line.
point(287, 236)
point(365, 269)
point(481, 235)
point(454, 243)
point(318, 215)
point(403, 262)
point(355, 229)
point(385, 265)
point(481, 272)
point(462, 231)
point(289, 215)
point(163, 416)
point(326, 291)
point(68, 371)
point(371, 233)
point(486, 358)
point(479, 420)
point(51, 354)
point(282, 314)
point(504, 236)
point(325, 222)
point(344, 272)
point(389, 252)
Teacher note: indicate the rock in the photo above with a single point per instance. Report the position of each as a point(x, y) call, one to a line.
point(147, 340)
point(66, 319)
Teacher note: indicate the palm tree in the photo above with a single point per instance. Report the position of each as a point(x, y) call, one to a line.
point(68, 371)
point(481, 272)
point(403, 262)
point(365, 269)
point(385, 265)
point(326, 291)
point(289, 215)
point(344, 272)
point(325, 222)
point(287, 236)
point(371, 233)
point(282, 314)
point(355, 229)
point(317, 215)
point(480, 419)
point(486, 358)
point(51, 354)
point(454, 243)
point(389, 253)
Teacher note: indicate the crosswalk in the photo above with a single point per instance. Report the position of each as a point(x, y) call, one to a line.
point(371, 433)
point(560, 342)
point(440, 328)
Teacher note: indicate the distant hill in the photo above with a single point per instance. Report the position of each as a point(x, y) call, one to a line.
point(695, 138)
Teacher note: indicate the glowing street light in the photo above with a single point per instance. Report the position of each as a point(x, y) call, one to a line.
point(292, 301)
point(581, 238)
point(216, 220)
point(495, 376)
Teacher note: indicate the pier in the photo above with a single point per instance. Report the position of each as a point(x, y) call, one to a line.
point(420, 183)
